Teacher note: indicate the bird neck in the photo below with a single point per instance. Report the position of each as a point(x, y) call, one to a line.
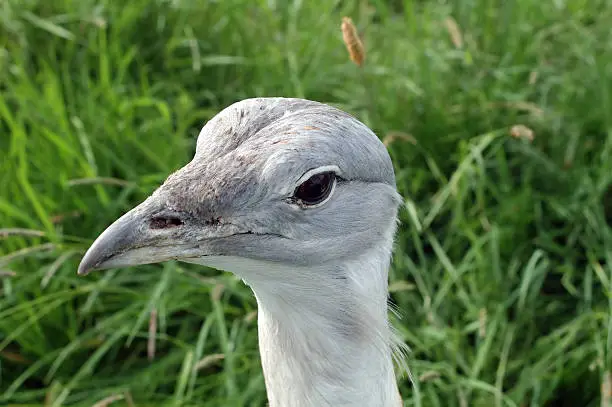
point(324, 334)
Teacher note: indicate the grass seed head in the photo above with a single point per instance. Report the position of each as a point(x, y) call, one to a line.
point(352, 41)
point(454, 32)
point(521, 131)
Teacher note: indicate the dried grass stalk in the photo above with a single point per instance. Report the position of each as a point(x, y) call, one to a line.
point(152, 334)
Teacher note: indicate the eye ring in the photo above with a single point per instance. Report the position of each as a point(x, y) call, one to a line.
point(316, 189)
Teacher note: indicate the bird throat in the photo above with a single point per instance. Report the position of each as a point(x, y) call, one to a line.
point(324, 334)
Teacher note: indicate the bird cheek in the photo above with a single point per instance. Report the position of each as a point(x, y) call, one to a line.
point(210, 232)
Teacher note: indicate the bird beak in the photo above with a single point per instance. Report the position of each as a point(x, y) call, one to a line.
point(130, 241)
point(110, 248)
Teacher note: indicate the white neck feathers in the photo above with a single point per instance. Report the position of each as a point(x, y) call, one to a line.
point(324, 334)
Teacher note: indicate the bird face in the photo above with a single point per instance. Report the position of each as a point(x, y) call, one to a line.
point(286, 181)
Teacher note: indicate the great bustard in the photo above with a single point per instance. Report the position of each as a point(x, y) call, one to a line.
point(298, 199)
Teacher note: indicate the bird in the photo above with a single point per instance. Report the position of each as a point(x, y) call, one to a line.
point(298, 199)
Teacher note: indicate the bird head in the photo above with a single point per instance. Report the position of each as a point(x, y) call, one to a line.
point(283, 181)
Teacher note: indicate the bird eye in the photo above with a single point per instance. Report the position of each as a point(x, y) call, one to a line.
point(315, 189)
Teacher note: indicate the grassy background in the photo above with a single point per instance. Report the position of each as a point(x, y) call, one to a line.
point(503, 265)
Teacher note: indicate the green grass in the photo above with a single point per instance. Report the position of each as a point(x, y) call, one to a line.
point(503, 267)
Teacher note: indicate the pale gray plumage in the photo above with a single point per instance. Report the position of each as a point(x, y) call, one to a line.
point(319, 273)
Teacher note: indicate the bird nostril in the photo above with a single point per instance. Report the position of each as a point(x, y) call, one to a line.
point(165, 222)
